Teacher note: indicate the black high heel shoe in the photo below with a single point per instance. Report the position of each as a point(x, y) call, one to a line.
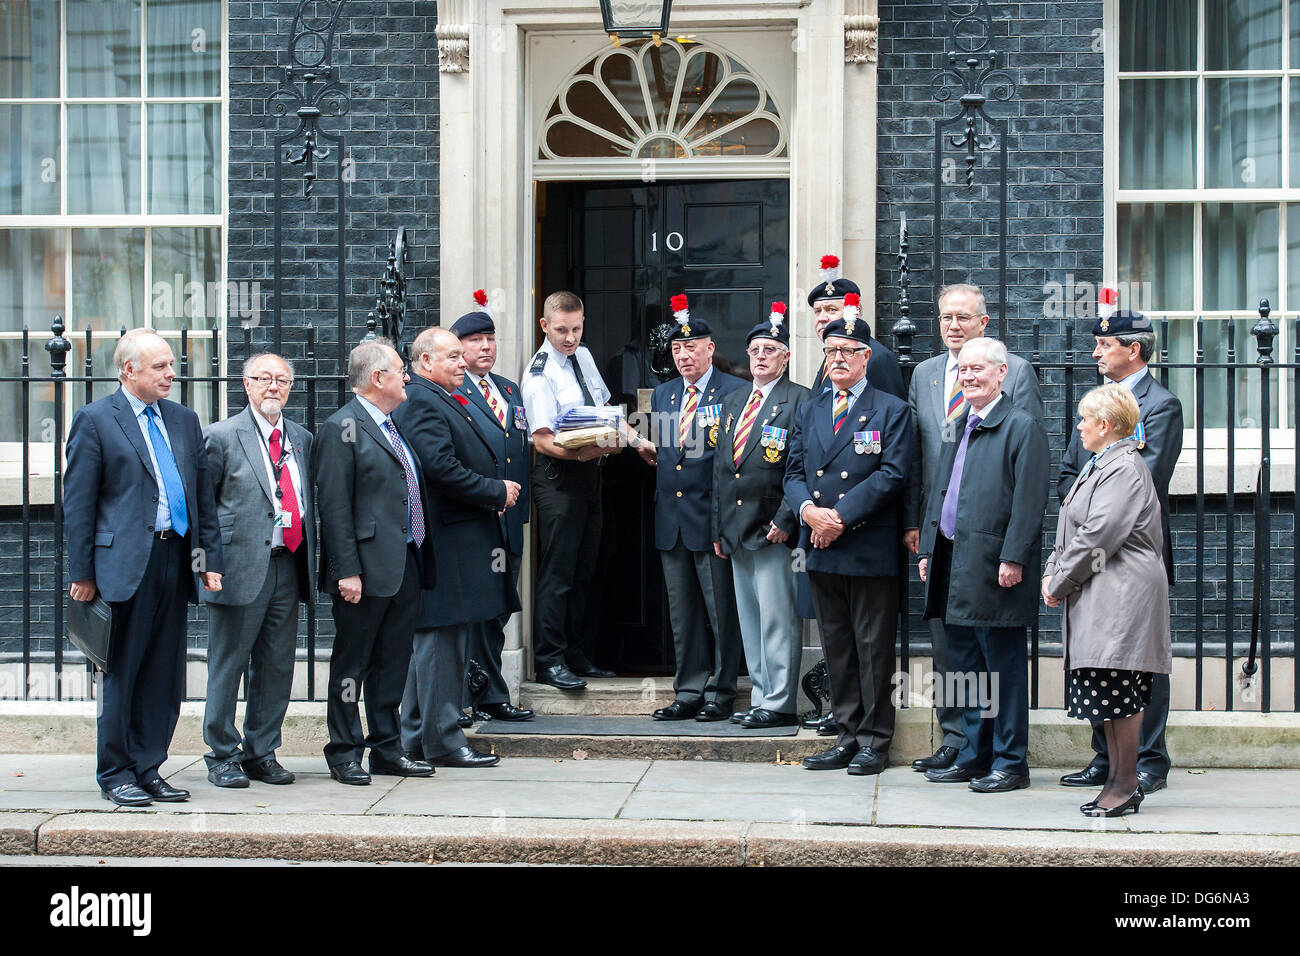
point(1090, 805)
point(1132, 803)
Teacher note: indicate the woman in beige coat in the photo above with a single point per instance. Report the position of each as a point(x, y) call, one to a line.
point(1107, 568)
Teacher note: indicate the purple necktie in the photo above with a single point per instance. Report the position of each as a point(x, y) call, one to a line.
point(948, 516)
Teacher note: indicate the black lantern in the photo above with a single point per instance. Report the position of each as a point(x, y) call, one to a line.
point(635, 18)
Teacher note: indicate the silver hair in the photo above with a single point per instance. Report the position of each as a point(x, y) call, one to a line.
point(129, 347)
point(993, 350)
point(367, 358)
point(251, 362)
point(1146, 343)
point(981, 305)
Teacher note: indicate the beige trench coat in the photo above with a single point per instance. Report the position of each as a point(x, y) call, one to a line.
point(1108, 567)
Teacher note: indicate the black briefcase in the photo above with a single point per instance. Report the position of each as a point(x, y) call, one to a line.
point(90, 628)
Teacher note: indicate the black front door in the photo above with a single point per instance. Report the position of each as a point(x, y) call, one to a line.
point(626, 249)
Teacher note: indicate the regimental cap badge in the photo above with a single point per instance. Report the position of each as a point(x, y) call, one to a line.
point(830, 270)
point(1107, 303)
point(852, 311)
point(777, 317)
point(681, 313)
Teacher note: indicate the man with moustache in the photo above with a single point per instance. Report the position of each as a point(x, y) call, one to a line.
point(376, 556)
point(849, 455)
point(472, 580)
point(700, 590)
point(261, 477)
point(496, 405)
point(937, 403)
point(827, 301)
point(1126, 340)
point(754, 527)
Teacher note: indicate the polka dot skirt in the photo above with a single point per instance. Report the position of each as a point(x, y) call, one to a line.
point(1098, 694)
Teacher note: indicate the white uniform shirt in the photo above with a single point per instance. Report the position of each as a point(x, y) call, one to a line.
point(554, 390)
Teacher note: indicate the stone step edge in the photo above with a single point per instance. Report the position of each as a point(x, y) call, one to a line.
point(324, 837)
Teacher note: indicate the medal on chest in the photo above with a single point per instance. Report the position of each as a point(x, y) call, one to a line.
point(773, 441)
point(866, 443)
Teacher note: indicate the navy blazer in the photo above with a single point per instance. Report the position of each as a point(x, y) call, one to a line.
point(472, 580)
point(684, 476)
point(865, 489)
point(510, 445)
point(110, 495)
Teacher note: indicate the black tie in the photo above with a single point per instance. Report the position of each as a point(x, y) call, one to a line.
point(586, 395)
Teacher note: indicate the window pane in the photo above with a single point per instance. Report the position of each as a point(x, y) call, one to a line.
point(1239, 255)
point(29, 181)
point(1243, 132)
point(1155, 251)
point(186, 270)
point(103, 47)
point(1157, 35)
point(184, 47)
point(1157, 143)
point(1182, 382)
point(31, 278)
point(11, 394)
point(1293, 257)
point(1243, 34)
point(196, 396)
point(107, 279)
point(29, 48)
point(101, 355)
point(1295, 33)
point(104, 159)
point(184, 143)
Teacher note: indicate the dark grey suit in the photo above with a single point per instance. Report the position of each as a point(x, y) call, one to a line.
point(929, 402)
point(253, 619)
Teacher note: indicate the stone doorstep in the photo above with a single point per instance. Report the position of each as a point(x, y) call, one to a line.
point(323, 837)
point(1196, 738)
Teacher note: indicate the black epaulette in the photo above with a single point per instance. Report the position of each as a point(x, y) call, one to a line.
point(538, 364)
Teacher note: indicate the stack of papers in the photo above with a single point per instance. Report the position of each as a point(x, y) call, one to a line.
point(588, 416)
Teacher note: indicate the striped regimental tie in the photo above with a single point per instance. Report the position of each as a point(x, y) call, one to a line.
point(688, 412)
point(492, 402)
point(746, 423)
point(841, 411)
point(956, 402)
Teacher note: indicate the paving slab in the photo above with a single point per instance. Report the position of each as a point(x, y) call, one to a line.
point(482, 796)
point(955, 805)
point(1156, 818)
point(796, 810)
point(18, 831)
point(554, 768)
point(47, 772)
point(309, 793)
point(62, 800)
point(748, 778)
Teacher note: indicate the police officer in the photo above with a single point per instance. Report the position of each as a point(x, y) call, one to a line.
point(566, 486)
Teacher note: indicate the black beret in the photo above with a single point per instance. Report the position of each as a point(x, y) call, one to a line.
point(861, 331)
point(837, 290)
point(698, 329)
point(472, 323)
point(1122, 323)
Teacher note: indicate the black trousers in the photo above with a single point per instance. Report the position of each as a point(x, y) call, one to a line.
point(485, 644)
point(140, 700)
point(858, 619)
point(706, 629)
point(568, 520)
point(372, 650)
point(431, 701)
point(1153, 752)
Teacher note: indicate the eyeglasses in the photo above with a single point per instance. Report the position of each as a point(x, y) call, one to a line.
point(847, 351)
point(265, 380)
point(948, 318)
point(763, 351)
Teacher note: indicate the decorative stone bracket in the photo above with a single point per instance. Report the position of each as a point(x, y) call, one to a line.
point(453, 48)
point(860, 34)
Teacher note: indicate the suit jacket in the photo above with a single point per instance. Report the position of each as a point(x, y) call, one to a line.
point(929, 408)
point(866, 489)
point(110, 495)
point(749, 496)
point(684, 476)
point(1000, 509)
point(510, 445)
point(1161, 414)
point(883, 372)
point(464, 495)
point(246, 505)
point(362, 502)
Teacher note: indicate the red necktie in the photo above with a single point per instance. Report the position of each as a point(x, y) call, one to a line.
point(289, 498)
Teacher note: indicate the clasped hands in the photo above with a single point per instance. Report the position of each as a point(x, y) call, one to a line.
point(825, 523)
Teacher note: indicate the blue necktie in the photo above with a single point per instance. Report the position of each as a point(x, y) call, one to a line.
point(171, 476)
point(948, 514)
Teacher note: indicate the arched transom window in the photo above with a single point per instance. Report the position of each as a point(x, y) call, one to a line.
point(673, 101)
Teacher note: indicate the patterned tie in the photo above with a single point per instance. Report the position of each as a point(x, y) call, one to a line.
point(746, 423)
point(171, 475)
point(288, 497)
point(492, 402)
point(841, 410)
point(948, 514)
point(956, 402)
point(688, 413)
point(415, 509)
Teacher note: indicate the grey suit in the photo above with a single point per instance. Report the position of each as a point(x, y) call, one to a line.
point(253, 619)
point(929, 402)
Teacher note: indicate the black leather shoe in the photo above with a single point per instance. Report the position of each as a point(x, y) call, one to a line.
point(953, 774)
point(588, 669)
point(507, 711)
point(740, 715)
point(127, 795)
point(758, 717)
point(1090, 776)
point(941, 758)
point(228, 774)
point(351, 773)
point(561, 677)
point(828, 726)
point(1000, 781)
point(1150, 783)
point(867, 762)
point(464, 720)
point(837, 758)
point(466, 757)
point(268, 770)
point(403, 766)
point(712, 711)
point(163, 792)
point(677, 710)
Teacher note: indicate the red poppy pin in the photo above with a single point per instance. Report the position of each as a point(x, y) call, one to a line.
point(462, 399)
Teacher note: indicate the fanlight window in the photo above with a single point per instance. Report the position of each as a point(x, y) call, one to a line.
point(672, 101)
